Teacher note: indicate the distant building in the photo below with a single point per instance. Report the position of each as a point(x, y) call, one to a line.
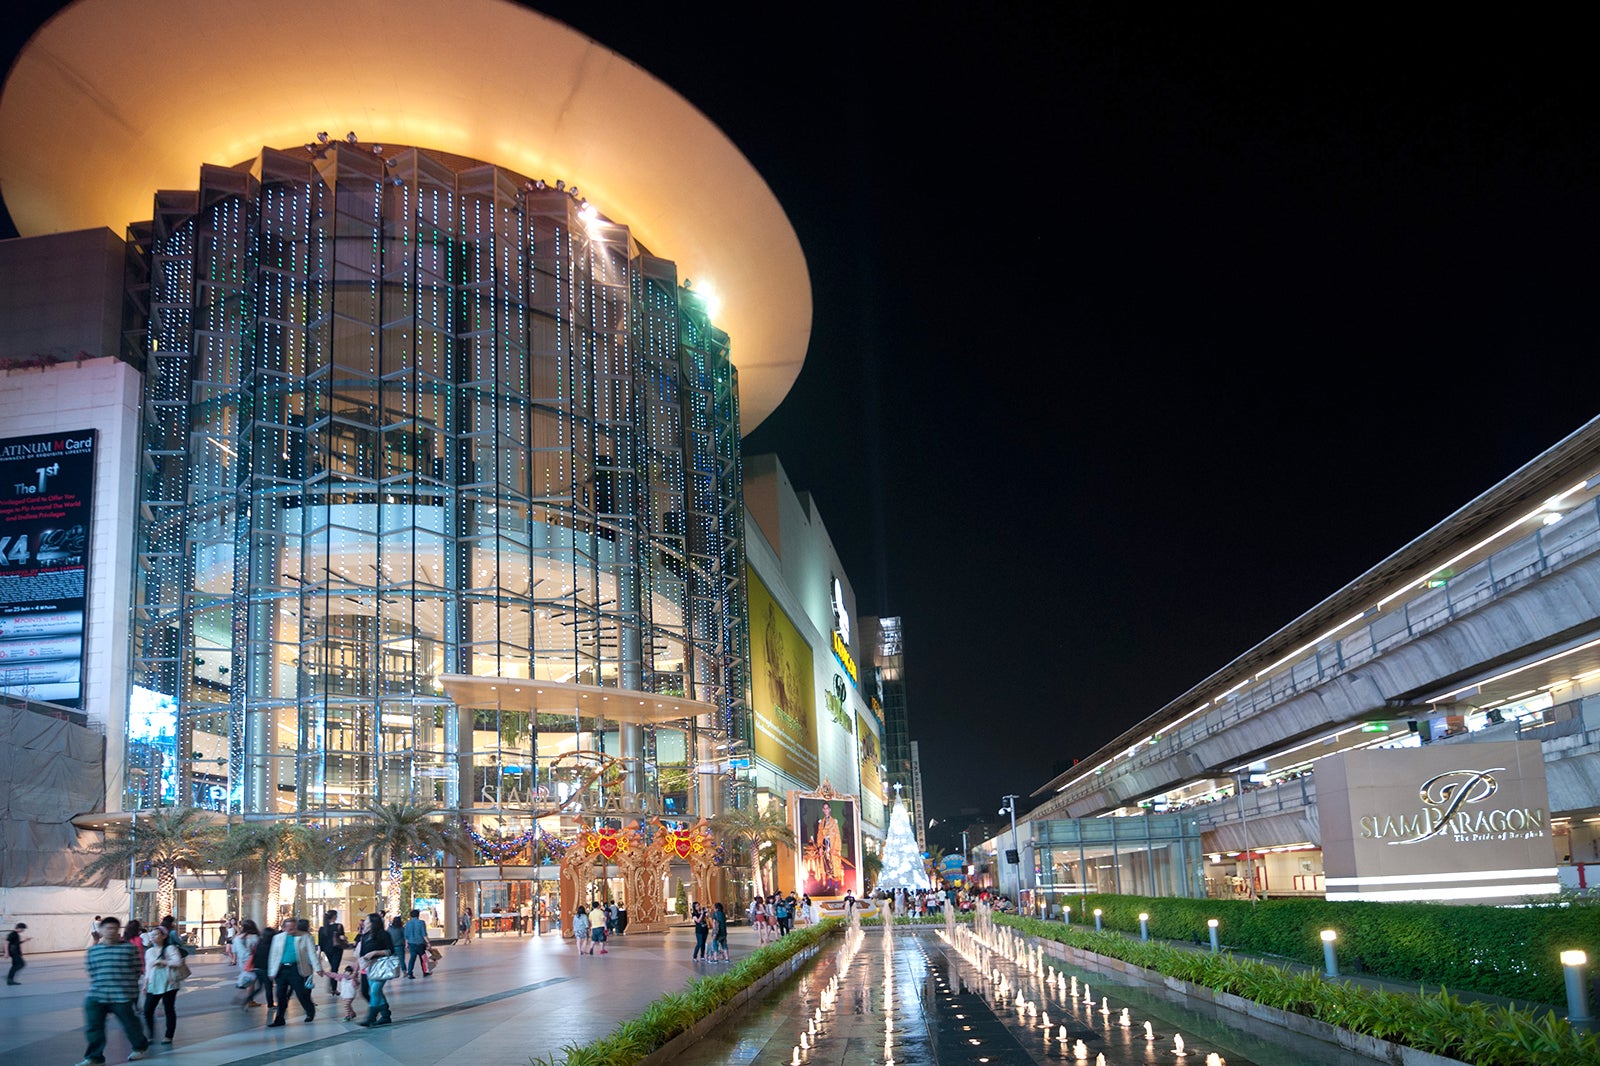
point(882, 640)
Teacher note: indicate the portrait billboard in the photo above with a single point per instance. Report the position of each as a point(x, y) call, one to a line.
point(46, 506)
point(782, 699)
point(829, 832)
point(1466, 821)
point(871, 771)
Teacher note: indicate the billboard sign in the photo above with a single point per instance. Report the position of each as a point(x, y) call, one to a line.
point(1463, 821)
point(829, 832)
point(46, 511)
point(782, 699)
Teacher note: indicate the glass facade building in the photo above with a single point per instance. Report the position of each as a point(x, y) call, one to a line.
point(409, 415)
point(1157, 855)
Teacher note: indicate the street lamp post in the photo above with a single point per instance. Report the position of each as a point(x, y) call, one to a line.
point(1015, 855)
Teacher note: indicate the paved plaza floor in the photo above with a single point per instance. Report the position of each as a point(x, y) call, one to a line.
point(494, 1001)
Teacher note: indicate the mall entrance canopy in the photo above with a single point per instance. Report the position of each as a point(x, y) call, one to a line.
point(624, 706)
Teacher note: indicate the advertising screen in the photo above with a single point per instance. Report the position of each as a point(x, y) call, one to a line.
point(830, 856)
point(782, 699)
point(46, 506)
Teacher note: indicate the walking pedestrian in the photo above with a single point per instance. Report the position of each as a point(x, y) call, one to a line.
point(466, 925)
point(260, 959)
point(331, 941)
point(346, 981)
point(719, 934)
point(597, 930)
point(702, 927)
point(164, 971)
point(292, 964)
point(245, 938)
point(376, 952)
point(622, 919)
point(580, 929)
point(114, 969)
point(14, 942)
point(416, 937)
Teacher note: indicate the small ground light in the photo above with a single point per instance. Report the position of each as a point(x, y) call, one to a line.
point(1573, 963)
point(1097, 919)
point(1069, 915)
point(1144, 926)
point(1211, 925)
point(1330, 959)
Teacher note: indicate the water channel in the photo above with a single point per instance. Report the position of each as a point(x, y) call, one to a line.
point(936, 994)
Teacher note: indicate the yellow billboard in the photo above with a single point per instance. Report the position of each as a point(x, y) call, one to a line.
point(781, 688)
point(871, 773)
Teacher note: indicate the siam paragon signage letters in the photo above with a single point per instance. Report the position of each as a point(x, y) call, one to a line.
point(1461, 821)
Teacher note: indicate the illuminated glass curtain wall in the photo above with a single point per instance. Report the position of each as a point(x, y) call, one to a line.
point(405, 415)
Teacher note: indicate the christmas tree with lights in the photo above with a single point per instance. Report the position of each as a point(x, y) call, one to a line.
point(902, 859)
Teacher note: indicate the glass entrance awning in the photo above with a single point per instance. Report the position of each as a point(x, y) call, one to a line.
point(566, 697)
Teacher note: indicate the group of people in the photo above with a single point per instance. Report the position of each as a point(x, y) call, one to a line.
point(775, 915)
point(278, 965)
point(122, 963)
point(710, 924)
point(594, 925)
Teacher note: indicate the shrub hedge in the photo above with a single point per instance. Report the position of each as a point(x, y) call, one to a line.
point(676, 1012)
point(1503, 951)
point(1439, 1023)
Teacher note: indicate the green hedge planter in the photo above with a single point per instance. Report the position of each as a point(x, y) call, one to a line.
point(1512, 952)
point(1437, 1023)
point(677, 1012)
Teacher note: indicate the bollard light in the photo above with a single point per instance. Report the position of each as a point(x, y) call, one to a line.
point(1211, 925)
point(1069, 914)
point(1330, 958)
point(1097, 919)
point(1144, 926)
point(1573, 963)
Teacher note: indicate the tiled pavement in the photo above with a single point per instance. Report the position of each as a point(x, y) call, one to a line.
point(902, 995)
point(495, 1001)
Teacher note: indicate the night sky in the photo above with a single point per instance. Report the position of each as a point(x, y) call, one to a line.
point(1136, 334)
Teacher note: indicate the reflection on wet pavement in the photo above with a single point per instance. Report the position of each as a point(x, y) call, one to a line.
point(955, 997)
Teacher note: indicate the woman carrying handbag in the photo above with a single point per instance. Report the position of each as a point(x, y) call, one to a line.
point(377, 954)
point(164, 974)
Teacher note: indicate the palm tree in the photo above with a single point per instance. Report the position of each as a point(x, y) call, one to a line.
point(163, 840)
point(398, 833)
point(758, 829)
point(263, 852)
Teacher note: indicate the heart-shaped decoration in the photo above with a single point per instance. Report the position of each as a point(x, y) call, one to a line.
point(683, 844)
point(608, 842)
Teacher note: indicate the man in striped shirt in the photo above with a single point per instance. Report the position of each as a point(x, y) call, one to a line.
point(114, 971)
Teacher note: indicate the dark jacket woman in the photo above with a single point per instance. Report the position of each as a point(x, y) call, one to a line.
point(331, 942)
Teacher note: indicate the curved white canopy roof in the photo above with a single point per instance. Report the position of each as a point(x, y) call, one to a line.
point(114, 99)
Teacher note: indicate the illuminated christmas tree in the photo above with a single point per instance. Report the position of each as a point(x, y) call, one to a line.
point(902, 859)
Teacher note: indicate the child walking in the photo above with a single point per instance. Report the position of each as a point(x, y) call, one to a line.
point(347, 992)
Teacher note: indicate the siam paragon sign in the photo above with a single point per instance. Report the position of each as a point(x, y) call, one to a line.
point(1461, 821)
point(1455, 805)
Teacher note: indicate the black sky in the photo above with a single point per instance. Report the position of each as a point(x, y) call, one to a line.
point(1138, 332)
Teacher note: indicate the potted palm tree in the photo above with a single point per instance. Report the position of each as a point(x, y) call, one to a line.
point(755, 830)
point(261, 853)
point(162, 840)
point(400, 833)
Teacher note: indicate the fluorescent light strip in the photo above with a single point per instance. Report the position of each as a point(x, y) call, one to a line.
point(1512, 673)
point(1425, 879)
point(1291, 751)
point(1490, 539)
point(1548, 888)
point(1313, 642)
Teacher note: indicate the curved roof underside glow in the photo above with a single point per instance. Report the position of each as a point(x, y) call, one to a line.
point(114, 99)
